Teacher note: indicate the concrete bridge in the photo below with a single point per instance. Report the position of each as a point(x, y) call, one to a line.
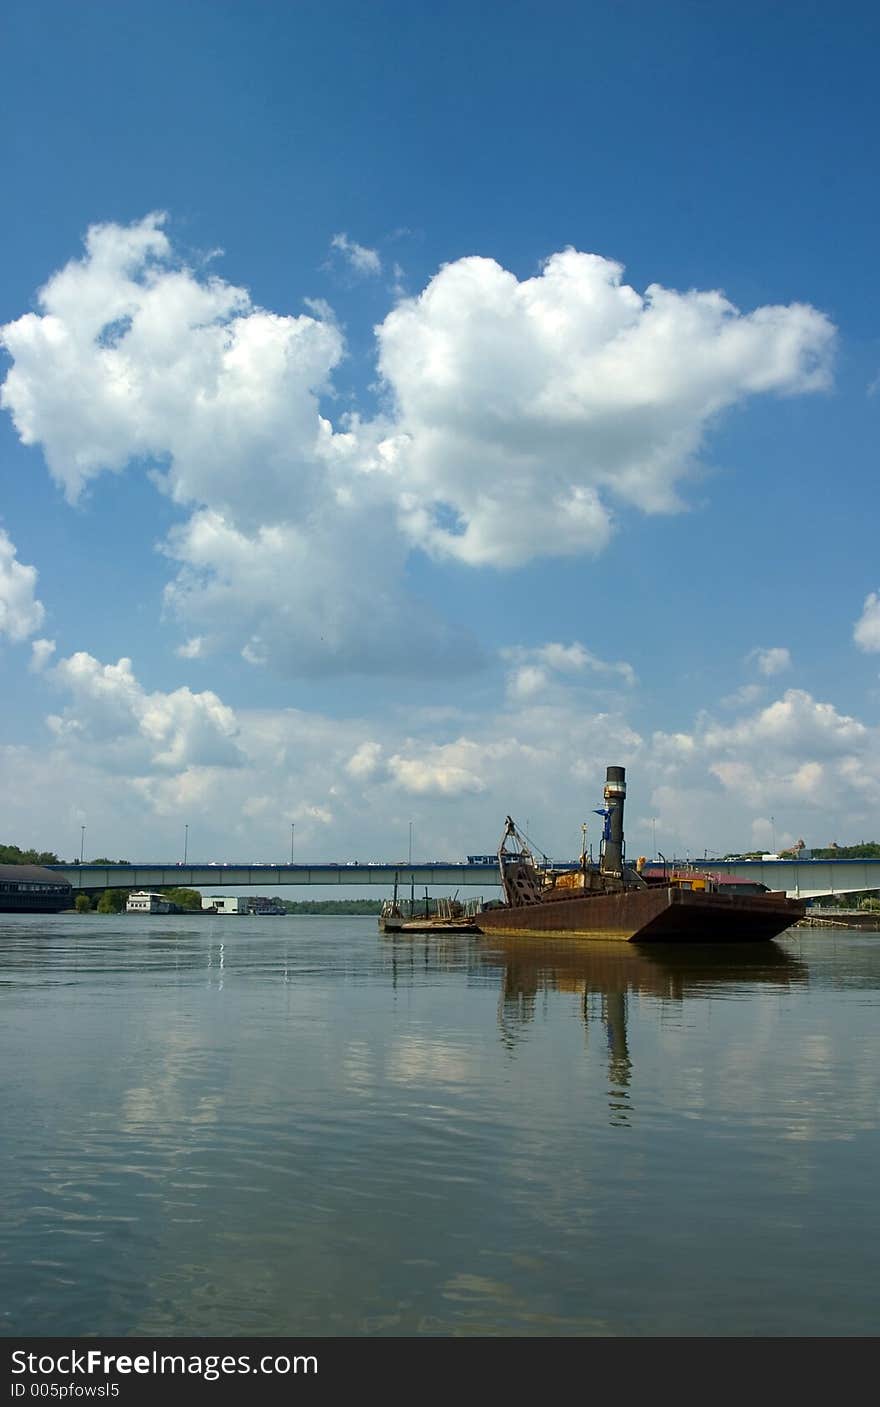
point(214, 879)
point(805, 879)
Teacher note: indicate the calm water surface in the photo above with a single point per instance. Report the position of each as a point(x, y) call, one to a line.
point(294, 1126)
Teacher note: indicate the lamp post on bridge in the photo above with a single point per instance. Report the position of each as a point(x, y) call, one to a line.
point(410, 842)
point(82, 842)
point(185, 842)
point(292, 829)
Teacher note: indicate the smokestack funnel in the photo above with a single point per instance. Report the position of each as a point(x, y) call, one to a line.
point(612, 849)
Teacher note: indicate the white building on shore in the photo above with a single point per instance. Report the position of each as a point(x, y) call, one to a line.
point(242, 904)
point(225, 904)
point(140, 901)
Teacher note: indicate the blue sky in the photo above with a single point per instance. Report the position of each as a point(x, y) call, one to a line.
point(446, 402)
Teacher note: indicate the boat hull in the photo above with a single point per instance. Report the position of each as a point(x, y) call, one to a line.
point(661, 914)
point(428, 925)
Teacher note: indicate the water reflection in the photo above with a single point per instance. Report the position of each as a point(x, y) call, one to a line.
point(605, 975)
point(217, 964)
point(424, 1135)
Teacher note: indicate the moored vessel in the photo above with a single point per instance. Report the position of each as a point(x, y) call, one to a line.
point(613, 900)
point(443, 915)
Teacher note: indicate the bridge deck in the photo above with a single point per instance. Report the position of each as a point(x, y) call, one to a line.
point(805, 879)
point(207, 878)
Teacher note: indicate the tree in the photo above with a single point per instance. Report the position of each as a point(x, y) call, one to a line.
point(865, 850)
point(12, 855)
point(187, 899)
point(83, 904)
point(112, 901)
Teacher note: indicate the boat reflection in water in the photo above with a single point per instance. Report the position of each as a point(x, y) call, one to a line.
point(605, 975)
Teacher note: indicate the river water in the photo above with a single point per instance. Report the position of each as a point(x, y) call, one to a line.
point(297, 1127)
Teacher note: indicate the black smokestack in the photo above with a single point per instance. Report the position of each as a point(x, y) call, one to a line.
point(615, 795)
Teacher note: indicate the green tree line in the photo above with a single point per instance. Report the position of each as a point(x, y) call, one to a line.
point(12, 855)
point(865, 850)
point(113, 901)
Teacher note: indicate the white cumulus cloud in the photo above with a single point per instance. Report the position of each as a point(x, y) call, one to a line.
point(792, 723)
point(358, 256)
point(771, 661)
point(524, 410)
point(21, 614)
point(175, 730)
point(797, 752)
point(537, 667)
point(450, 769)
point(364, 763)
point(527, 680)
point(134, 357)
point(866, 631)
point(318, 597)
point(41, 653)
point(518, 418)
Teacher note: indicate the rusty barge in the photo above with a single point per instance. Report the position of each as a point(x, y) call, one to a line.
point(613, 900)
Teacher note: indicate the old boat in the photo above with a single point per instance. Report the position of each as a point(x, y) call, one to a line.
point(426, 915)
point(612, 900)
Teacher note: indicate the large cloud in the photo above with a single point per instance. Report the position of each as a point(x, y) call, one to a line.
point(517, 414)
point(798, 756)
point(312, 599)
point(133, 357)
point(525, 408)
point(21, 614)
point(791, 724)
point(127, 725)
point(291, 553)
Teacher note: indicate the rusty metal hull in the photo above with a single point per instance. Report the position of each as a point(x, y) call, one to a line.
point(661, 914)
